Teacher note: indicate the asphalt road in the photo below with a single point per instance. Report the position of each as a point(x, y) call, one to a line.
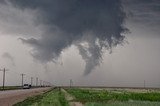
point(10, 97)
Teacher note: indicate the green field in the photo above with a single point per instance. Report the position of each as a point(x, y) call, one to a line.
point(91, 97)
point(52, 98)
point(95, 97)
point(130, 103)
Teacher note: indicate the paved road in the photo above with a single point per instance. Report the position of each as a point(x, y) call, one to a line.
point(10, 97)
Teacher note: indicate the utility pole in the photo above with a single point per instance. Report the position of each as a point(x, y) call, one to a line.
point(41, 83)
point(44, 83)
point(22, 78)
point(71, 82)
point(37, 81)
point(144, 84)
point(4, 72)
point(31, 81)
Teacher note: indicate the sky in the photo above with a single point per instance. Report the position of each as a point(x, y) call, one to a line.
point(94, 43)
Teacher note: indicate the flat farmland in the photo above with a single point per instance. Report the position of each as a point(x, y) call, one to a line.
point(115, 96)
point(95, 97)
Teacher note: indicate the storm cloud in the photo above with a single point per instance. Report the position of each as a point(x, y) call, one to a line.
point(145, 12)
point(93, 26)
point(8, 56)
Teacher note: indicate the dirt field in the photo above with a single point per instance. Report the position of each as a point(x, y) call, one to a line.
point(8, 98)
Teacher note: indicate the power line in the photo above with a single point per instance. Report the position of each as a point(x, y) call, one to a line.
point(4, 72)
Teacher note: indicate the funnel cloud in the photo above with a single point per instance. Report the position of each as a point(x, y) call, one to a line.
point(92, 26)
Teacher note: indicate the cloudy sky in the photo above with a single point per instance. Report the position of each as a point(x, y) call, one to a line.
point(95, 43)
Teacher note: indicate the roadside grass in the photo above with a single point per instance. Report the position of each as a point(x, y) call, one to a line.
point(17, 87)
point(89, 95)
point(10, 87)
point(52, 98)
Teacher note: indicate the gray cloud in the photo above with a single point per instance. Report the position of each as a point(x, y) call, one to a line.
point(90, 25)
point(145, 12)
point(14, 21)
point(8, 56)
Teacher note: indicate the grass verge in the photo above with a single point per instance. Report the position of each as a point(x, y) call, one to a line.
point(10, 88)
point(52, 98)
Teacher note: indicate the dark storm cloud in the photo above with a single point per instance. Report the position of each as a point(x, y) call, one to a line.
point(91, 25)
point(8, 56)
point(144, 11)
point(3, 1)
